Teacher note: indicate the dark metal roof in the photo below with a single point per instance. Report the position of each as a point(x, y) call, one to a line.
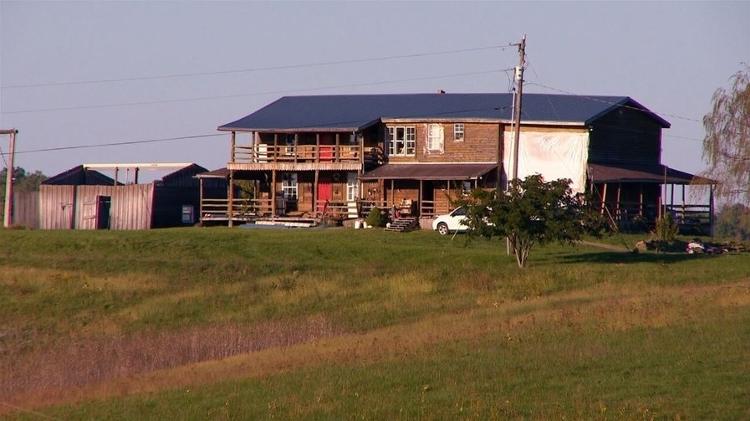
point(601, 173)
point(79, 176)
point(218, 173)
point(183, 176)
point(429, 171)
point(354, 112)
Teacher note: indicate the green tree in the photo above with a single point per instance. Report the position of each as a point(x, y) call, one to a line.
point(23, 181)
point(726, 146)
point(733, 221)
point(530, 212)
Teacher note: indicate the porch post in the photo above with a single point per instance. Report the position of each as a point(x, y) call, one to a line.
point(604, 199)
point(136, 171)
point(393, 193)
point(233, 143)
point(617, 205)
point(336, 152)
point(275, 146)
point(419, 202)
point(317, 154)
point(296, 149)
point(273, 194)
point(711, 211)
point(361, 151)
point(230, 201)
point(671, 201)
point(315, 193)
point(200, 199)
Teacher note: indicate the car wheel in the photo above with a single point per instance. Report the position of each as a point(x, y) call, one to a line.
point(442, 228)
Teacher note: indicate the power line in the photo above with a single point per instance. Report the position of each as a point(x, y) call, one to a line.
point(167, 139)
point(260, 93)
point(259, 69)
point(127, 142)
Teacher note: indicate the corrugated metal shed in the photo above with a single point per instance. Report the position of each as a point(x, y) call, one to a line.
point(56, 207)
point(354, 112)
point(26, 209)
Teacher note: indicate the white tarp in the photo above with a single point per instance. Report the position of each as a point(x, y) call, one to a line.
point(558, 154)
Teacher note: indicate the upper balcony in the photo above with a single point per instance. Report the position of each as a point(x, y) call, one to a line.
point(263, 156)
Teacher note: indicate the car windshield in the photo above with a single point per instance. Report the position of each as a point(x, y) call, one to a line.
point(459, 212)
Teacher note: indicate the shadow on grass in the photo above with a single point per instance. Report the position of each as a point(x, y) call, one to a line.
point(625, 258)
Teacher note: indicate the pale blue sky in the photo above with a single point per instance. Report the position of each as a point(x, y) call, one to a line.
point(668, 56)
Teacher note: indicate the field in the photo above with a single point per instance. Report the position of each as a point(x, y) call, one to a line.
point(218, 323)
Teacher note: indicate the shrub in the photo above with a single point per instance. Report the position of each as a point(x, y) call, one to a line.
point(666, 228)
point(376, 218)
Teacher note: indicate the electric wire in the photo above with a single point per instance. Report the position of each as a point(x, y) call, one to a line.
point(120, 143)
point(259, 93)
point(502, 47)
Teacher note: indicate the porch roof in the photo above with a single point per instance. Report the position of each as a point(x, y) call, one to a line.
point(657, 174)
point(429, 171)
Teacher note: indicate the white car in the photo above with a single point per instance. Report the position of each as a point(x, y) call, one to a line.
point(451, 222)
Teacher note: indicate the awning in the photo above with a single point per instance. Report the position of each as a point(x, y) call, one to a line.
point(657, 174)
point(429, 171)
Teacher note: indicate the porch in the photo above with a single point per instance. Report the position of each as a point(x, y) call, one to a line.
point(634, 197)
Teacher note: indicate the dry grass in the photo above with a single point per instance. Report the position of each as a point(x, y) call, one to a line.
point(195, 357)
point(47, 375)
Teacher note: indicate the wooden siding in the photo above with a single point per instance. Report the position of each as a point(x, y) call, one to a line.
point(56, 207)
point(26, 209)
point(625, 136)
point(480, 144)
point(131, 206)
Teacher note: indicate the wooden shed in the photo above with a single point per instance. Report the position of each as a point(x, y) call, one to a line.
point(83, 198)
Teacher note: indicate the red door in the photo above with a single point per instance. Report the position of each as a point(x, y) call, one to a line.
point(325, 194)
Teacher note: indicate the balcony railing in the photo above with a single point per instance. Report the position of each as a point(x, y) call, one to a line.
point(264, 153)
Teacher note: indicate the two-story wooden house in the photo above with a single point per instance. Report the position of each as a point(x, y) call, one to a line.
point(309, 155)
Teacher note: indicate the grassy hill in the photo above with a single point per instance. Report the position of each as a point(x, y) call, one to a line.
point(218, 323)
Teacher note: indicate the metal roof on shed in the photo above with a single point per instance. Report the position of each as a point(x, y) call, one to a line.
point(354, 112)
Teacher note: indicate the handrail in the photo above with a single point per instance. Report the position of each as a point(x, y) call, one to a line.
point(265, 153)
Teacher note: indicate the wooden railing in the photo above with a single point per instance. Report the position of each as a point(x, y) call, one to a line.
point(634, 215)
point(218, 209)
point(264, 153)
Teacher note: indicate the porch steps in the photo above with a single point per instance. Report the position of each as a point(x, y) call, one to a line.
point(403, 225)
point(288, 222)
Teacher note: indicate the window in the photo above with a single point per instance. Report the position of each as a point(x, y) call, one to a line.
point(188, 216)
point(458, 132)
point(351, 187)
point(401, 140)
point(289, 185)
point(435, 138)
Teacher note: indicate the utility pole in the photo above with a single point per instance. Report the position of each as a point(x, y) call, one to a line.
point(516, 115)
point(8, 216)
point(517, 100)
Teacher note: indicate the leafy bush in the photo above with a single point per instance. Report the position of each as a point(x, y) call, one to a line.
point(376, 218)
point(666, 228)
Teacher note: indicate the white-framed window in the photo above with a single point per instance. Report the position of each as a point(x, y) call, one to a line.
point(435, 137)
point(402, 140)
point(458, 132)
point(188, 214)
point(289, 185)
point(352, 188)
